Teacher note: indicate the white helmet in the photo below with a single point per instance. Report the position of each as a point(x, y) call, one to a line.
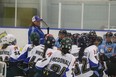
point(9, 39)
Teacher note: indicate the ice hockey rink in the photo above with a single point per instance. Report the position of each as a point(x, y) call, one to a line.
point(75, 16)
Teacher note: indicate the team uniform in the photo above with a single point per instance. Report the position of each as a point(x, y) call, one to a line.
point(107, 51)
point(81, 69)
point(75, 50)
point(49, 45)
point(26, 53)
point(61, 35)
point(92, 55)
point(37, 53)
point(57, 43)
point(9, 54)
point(56, 60)
point(58, 63)
point(50, 51)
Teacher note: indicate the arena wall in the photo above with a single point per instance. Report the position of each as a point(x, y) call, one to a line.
point(21, 34)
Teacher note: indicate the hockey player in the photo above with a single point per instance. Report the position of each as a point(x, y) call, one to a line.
point(108, 51)
point(82, 66)
point(9, 54)
point(114, 38)
point(75, 49)
point(24, 58)
point(39, 52)
point(61, 35)
point(49, 46)
point(8, 47)
point(95, 66)
point(114, 41)
point(58, 63)
point(26, 51)
point(112, 62)
point(69, 35)
point(88, 51)
point(43, 51)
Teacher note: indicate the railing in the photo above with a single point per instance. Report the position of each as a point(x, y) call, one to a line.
point(3, 69)
point(60, 13)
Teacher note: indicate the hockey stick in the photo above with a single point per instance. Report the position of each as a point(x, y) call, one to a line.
point(46, 26)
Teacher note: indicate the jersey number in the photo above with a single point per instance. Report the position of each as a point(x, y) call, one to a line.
point(57, 68)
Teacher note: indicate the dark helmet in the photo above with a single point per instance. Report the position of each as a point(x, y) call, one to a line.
point(66, 43)
point(84, 34)
point(49, 40)
point(114, 34)
point(83, 41)
point(75, 37)
point(109, 34)
point(69, 34)
point(92, 36)
point(63, 32)
point(35, 38)
point(99, 39)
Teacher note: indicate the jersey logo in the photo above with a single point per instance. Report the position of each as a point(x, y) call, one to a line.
point(109, 49)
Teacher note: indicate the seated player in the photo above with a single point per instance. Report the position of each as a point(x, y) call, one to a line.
point(9, 54)
point(26, 53)
point(107, 51)
point(92, 54)
point(62, 34)
point(58, 63)
point(75, 49)
point(49, 46)
point(82, 67)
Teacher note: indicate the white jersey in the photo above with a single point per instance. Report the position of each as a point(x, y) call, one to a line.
point(26, 53)
point(11, 52)
point(37, 53)
point(75, 50)
point(89, 60)
point(92, 54)
point(63, 63)
point(28, 49)
point(50, 51)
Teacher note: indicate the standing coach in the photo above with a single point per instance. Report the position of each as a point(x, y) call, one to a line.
point(35, 27)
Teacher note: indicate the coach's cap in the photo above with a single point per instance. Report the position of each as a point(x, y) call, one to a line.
point(36, 18)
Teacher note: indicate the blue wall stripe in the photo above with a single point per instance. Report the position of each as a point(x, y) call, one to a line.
point(60, 29)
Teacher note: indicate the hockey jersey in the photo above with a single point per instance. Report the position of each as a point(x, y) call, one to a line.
point(26, 53)
point(63, 63)
point(81, 69)
point(37, 53)
point(11, 53)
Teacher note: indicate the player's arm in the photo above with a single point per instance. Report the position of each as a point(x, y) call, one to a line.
point(42, 63)
point(23, 54)
point(69, 73)
point(92, 64)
